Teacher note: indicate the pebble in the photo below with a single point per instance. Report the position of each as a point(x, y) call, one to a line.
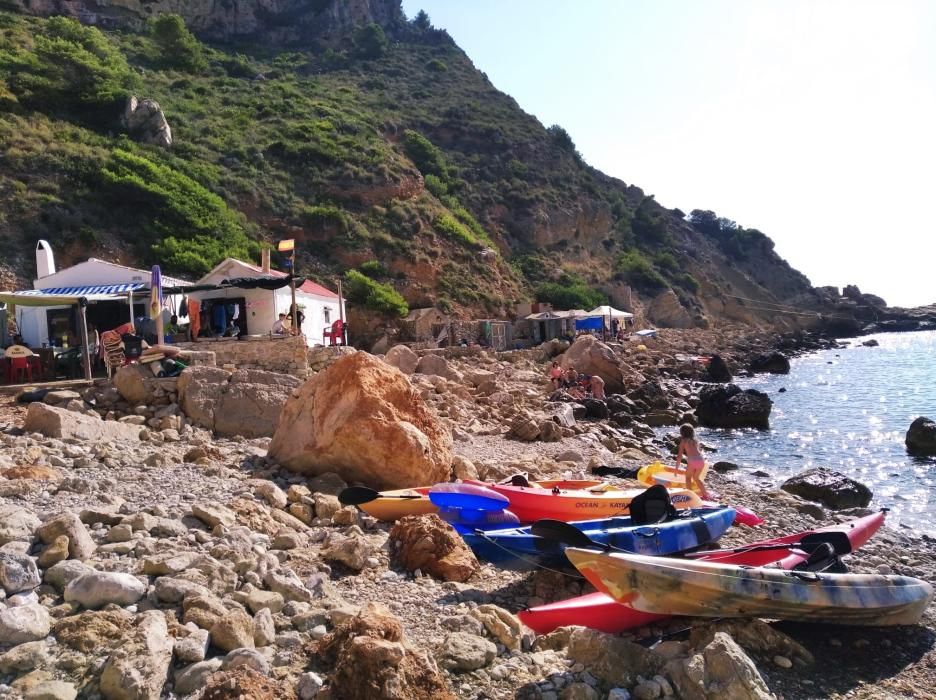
point(782, 661)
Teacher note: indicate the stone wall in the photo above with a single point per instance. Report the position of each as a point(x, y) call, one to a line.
point(284, 355)
point(322, 357)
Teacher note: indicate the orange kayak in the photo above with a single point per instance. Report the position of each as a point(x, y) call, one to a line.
point(532, 503)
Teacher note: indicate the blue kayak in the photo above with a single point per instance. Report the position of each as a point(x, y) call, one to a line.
point(520, 548)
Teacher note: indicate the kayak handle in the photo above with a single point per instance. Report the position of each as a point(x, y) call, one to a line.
point(651, 532)
point(810, 576)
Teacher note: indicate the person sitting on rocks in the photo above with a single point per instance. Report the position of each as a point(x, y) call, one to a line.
point(555, 375)
point(597, 387)
point(279, 326)
point(571, 377)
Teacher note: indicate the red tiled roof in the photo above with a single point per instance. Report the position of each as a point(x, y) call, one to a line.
point(310, 287)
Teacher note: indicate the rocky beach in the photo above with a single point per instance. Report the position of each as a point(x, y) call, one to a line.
point(184, 539)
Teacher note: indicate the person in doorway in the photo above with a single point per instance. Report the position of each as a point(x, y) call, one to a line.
point(279, 326)
point(555, 375)
point(300, 317)
point(695, 463)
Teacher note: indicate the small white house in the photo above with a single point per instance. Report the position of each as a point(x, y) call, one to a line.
point(255, 311)
point(97, 279)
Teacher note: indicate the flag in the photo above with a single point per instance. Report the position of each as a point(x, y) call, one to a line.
point(156, 295)
point(286, 246)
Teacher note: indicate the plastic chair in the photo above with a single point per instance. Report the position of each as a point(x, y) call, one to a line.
point(68, 363)
point(20, 367)
point(334, 333)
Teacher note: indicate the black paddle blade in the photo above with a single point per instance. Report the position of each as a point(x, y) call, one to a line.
point(356, 495)
point(839, 541)
point(565, 533)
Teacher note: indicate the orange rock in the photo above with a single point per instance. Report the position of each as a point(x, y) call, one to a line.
point(244, 682)
point(373, 661)
point(427, 543)
point(363, 419)
point(32, 471)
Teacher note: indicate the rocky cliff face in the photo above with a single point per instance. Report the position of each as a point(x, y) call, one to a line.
point(221, 20)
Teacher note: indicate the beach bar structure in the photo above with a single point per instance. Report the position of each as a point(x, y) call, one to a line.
point(115, 294)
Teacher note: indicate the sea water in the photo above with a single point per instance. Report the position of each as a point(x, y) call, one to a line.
point(847, 409)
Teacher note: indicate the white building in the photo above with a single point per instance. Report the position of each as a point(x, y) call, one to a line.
point(258, 309)
point(110, 287)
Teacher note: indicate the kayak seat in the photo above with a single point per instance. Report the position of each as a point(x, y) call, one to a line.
point(822, 558)
point(652, 506)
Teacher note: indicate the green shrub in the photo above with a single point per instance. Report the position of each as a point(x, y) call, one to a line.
point(455, 230)
point(435, 185)
point(648, 224)
point(373, 269)
point(437, 65)
point(664, 260)
point(465, 217)
point(427, 157)
point(178, 47)
point(197, 228)
point(688, 282)
point(71, 69)
point(570, 296)
point(323, 215)
point(361, 289)
point(638, 271)
point(370, 41)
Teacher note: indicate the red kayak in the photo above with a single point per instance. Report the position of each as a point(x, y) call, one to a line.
point(601, 612)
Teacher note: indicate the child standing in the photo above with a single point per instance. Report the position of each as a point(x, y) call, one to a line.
point(689, 446)
point(555, 375)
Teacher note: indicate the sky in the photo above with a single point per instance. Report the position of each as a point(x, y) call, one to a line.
point(813, 121)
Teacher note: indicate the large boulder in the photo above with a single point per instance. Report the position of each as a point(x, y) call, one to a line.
point(246, 402)
point(718, 370)
point(17, 524)
point(590, 356)
point(427, 543)
point(726, 406)
point(438, 366)
point(773, 362)
point(129, 383)
point(612, 659)
point(69, 425)
point(831, 488)
point(403, 358)
point(719, 671)
point(145, 121)
point(139, 667)
point(666, 311)
point(363, 419)
point(373, 660)
point(921, 437)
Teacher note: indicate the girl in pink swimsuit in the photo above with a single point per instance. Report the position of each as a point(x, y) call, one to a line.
point(689, 446)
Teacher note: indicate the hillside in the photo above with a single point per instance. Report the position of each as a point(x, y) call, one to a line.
point(370, 139)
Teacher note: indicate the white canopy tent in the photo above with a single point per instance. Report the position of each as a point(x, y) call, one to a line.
point(609, 311)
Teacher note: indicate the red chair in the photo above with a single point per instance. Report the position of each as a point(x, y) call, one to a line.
point(19, 367)
point(334, 333)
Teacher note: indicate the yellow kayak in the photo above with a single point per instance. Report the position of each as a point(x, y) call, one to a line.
point(392, 505)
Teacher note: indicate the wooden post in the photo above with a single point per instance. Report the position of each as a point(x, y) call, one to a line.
point(344, 333)
point(160, 329)
point(83, 331)
point(292, 289)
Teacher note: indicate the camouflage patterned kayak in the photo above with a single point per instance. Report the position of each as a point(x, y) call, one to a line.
point(706, 589)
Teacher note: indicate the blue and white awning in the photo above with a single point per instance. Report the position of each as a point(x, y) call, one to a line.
point(88, 290)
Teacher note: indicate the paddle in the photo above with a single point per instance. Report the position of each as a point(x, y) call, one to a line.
point(356, 495)
point(568, 534)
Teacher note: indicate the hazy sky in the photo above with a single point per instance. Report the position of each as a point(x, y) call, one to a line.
point(811, 120)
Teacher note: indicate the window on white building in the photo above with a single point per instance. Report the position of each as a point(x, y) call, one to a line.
point(327, 311)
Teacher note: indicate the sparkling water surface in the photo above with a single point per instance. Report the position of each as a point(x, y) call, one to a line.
point(848, 409)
